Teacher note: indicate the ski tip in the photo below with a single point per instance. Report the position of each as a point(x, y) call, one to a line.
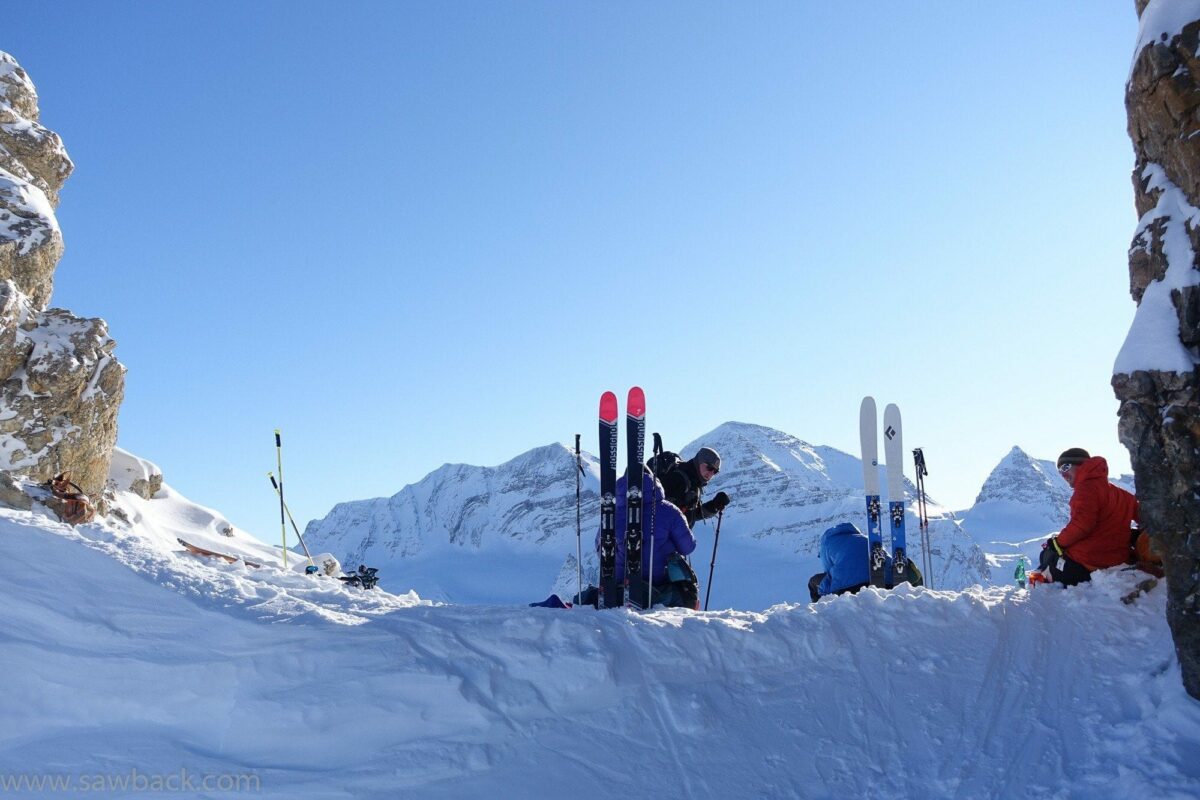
point(608, 407)
point(636, 406)
point(892, 411)
point(868, 404)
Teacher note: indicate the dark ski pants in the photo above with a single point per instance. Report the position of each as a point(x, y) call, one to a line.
point(1071, 574)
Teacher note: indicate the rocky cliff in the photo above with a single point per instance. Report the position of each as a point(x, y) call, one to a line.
point(60, 386)
point(1155, 376)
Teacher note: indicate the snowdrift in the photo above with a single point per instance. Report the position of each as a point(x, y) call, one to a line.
point(128, 659)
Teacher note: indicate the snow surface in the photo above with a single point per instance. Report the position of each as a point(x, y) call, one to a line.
point(127, 658)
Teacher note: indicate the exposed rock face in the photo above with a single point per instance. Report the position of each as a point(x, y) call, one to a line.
point(1156, 377)
point(33, 167)
point(60, 387)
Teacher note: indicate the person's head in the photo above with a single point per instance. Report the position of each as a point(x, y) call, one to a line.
point(1069, 462)
point(707, 462)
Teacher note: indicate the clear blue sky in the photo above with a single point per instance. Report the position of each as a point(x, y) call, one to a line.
point(417, 233)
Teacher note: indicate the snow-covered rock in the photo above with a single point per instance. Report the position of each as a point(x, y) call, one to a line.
point(60, 386)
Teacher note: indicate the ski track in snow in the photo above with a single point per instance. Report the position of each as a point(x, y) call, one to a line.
point(123, 651)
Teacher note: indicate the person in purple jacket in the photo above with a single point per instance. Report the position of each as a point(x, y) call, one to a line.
point(663, 523)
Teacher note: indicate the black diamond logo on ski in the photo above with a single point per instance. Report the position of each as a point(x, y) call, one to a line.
point(890, 433)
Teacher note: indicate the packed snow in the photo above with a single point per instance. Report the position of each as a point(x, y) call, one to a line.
point(135, 667)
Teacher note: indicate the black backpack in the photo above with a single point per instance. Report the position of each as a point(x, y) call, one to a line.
point(663, 461)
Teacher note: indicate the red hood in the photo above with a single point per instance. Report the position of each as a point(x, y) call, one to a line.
point(1095, 467)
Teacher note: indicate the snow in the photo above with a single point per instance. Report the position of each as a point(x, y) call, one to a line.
point(127, 658)
point(1153, 340)
point(32, 223)
point(1162, 21)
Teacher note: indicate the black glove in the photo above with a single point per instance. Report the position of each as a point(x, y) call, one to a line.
point(1049, 553)
point(720, 501)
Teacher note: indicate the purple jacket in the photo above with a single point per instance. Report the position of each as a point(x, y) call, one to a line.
point(670, 528)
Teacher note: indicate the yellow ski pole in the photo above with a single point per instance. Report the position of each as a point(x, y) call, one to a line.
point(312, 567)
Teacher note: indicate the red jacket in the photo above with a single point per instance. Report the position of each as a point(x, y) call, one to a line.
point(1098, 534)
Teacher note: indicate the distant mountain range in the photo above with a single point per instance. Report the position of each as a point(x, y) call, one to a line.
point(505, 534)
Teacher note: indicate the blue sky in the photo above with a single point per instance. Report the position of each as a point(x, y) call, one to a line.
point(418, 233)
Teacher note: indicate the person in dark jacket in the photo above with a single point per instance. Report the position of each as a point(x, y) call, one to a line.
point(684, 486)
point(1097, 535)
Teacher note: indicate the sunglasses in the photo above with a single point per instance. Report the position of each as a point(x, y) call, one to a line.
point(710, 467)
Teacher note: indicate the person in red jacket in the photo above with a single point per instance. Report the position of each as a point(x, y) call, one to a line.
point(1097, 535)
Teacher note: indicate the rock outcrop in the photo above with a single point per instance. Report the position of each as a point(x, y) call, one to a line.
point(1156, 377)
point(60, 386)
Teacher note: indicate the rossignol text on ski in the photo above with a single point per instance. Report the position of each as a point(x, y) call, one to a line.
point(610, 589)
point(635, 443)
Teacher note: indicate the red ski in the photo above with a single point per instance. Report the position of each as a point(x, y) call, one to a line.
point(200, 551)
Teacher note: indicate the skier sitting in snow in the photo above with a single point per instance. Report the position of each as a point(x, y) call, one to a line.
point(1097, 535)
point(844, 550)
point(685, 482)
point(672, 539)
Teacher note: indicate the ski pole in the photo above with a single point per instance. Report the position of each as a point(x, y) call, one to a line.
point(578, 519)
point(923, 510)
point(312, 567)
point(712, 564)
point(653, 514)
point(279, 464)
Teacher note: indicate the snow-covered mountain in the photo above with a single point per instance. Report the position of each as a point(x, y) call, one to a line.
point(508, 533)
point(1023, 497)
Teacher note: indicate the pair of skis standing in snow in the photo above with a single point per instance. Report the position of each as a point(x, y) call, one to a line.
point(893, 448)
point(676, 584)
point(852, 560)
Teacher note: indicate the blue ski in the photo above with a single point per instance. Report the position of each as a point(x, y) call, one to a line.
point(893, 449)
point(869, 437)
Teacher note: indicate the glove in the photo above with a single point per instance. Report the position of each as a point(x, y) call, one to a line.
point(720, 501)
point(1050, 553)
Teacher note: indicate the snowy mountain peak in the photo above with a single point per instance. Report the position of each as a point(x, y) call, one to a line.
point(1023, 479)
point(769, 454)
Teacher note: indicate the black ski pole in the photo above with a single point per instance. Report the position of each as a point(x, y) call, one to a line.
point(653, 514)
point(923, 511)
point(578, 519)
point(311, 569)
point(712, 564)
point(282, 522)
